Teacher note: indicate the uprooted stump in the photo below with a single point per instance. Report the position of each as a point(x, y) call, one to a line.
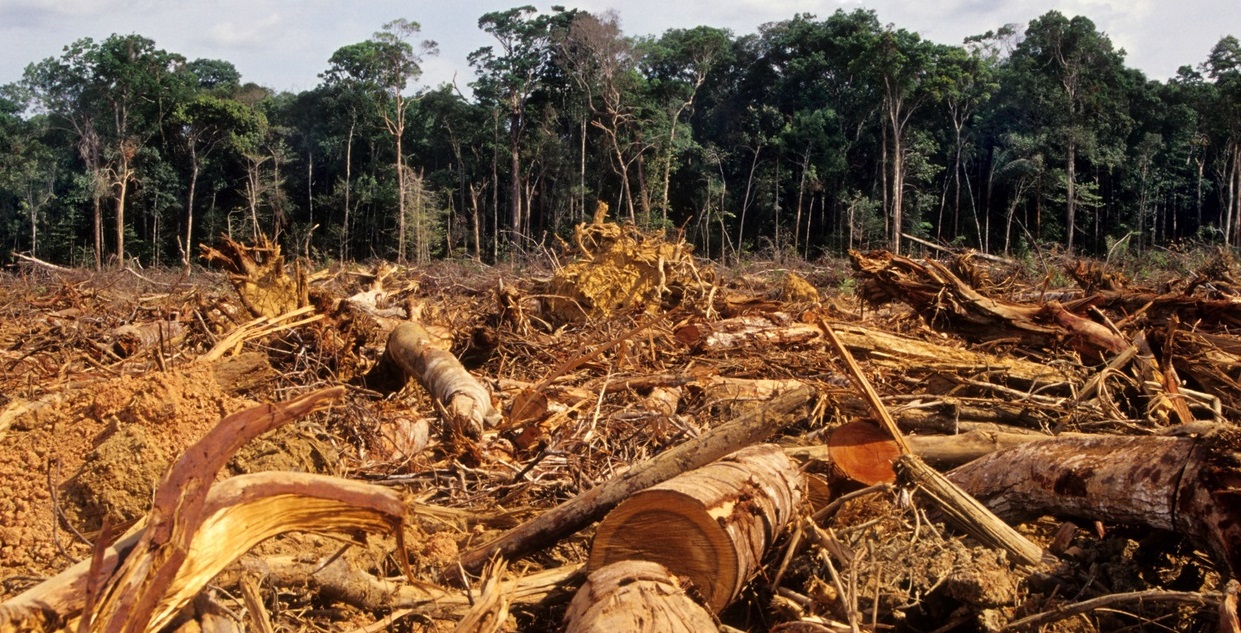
point(635, 596)
point(259, 276)
point(711, 525)
point(619, 268)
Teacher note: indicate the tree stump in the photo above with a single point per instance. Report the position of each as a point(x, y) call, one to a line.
point(635, 596)
point(710, 526)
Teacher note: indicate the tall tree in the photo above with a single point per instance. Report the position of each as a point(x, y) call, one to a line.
point(1069, 73)
point(386, 64)
point(114, 94)
point(508, 77)
point(969, 81)
point(604, 63)
point(208, 124)
point(677, 64)
point(907, 67)
point(1223, 66)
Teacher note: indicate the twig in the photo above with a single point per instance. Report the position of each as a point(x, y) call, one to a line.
point(1114, 600)
point(828, 509)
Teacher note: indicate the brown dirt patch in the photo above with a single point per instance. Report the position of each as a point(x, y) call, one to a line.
point(95, 450)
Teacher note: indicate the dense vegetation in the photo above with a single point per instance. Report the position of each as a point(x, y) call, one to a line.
point(811, 136)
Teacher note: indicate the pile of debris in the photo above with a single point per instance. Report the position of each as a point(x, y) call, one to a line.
point(635, 444)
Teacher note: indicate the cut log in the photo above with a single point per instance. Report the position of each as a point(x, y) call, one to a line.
point(466, 402)
point(710, 526)
point(591, 505)
point(635, 597)
point(863, 452)
point(1188, 485)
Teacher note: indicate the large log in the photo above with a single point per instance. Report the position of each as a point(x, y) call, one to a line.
point(711, 525)
point(466, 401)
point(1188, 485)
point(571, 516)
point(635, 597)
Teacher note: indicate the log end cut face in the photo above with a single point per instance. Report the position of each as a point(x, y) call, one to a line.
point(675, 530)
point(710, 526)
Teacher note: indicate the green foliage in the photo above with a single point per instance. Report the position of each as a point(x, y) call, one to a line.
point(815, 134)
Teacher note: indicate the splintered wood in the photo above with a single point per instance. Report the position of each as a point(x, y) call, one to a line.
point(634, 441)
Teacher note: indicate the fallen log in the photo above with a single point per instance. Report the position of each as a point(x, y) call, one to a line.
point(571, 516)
point(899, 352)
point(710, 526)
point(635, 596)
point(1188, 485)
point(942, 298)
point(466, 402)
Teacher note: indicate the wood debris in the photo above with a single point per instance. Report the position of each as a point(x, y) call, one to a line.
point(635, 442)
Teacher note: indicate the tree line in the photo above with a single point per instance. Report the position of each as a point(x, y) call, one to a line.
point(810, 136)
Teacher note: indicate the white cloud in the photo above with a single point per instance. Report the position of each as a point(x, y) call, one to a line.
point(246, 34)
point(286, 43)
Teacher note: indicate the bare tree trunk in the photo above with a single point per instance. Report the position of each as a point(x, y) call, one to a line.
point(1071, 192)
point(344, 235)
point(898, 177)
point(478, 243)
point(120, 218)
point(801, 192)
point(514, 189)
point(189, 209)
point(581, 177)
point(98, 226)
point(745, 201)
point(400, 195)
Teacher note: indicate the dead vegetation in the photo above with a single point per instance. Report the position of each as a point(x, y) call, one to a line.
point(633, 441)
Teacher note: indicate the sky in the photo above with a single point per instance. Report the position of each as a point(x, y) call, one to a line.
point(285, 44)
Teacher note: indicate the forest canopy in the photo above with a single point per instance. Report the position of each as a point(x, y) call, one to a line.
point(812, 136)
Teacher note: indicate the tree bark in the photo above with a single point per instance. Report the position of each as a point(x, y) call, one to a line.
point(466, 402)
point(635, 597)
point(1182, 484)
